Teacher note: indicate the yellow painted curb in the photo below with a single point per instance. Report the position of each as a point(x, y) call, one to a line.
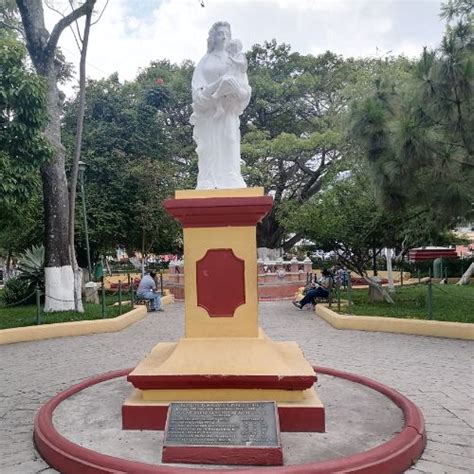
point(76, 328)
point(396, 325)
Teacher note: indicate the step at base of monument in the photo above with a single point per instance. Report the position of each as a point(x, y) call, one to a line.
point(220, 363)
point(223, 455)
point(307, 415)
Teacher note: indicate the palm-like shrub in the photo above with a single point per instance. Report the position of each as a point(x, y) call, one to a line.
point(31, 267)
point(16, 291)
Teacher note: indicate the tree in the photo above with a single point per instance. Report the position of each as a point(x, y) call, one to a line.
point(152, 229)
point(294, 128)
point(42, 47)
point(137, 145)
point(21, 226)
point(347, 219)
point(22, 118)
point(466, 275)
point(22, 145)
point(84, 40)
point(417, 135)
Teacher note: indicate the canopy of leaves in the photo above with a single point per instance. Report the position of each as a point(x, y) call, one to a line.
point(22, 117)
point(135, 136)
point(294, 135)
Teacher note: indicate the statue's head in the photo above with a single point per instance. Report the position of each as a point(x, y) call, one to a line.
point(219, 32)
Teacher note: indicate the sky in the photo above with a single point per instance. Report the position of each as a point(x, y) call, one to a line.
point(132, 33)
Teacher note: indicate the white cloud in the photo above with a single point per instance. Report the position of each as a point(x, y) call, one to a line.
point(130, 33)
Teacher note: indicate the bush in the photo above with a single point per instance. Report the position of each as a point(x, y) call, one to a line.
point(16, 290)
point(31, 267)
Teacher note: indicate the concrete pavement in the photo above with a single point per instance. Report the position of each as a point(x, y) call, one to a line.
point(436, 374)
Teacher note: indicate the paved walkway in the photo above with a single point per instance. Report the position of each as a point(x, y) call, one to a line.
point(437, 374)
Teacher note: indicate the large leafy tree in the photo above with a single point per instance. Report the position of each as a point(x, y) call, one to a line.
point(346, 219)
point(137, 143)
point(294, 128)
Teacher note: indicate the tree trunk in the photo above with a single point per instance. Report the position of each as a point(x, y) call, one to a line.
point(9, 261)
point(143, 253)
point(391, 287)
point(467, 275)
point(374, 261)
point(75, 168)
point(378, 288)
point(59, 277)
point(269, 232)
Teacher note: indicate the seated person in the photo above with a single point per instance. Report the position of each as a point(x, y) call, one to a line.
point(147, 291)
point(321, 290)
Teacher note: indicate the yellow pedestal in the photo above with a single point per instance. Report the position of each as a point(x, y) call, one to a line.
point(223, 356)
point(197, 242)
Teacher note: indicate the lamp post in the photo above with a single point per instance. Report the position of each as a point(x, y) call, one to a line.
point(82, 169)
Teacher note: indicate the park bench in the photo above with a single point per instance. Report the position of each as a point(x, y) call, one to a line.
point(327, 299)
point(141, 301)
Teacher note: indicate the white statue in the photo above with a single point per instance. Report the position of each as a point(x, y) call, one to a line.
point(221, 92)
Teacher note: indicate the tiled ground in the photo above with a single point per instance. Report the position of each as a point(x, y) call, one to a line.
point(437, 374)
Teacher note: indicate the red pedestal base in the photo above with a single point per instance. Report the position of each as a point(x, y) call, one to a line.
point(394, 456)
point(223, 455)
point(292, 419)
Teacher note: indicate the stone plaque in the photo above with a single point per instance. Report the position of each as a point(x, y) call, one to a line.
point(223, 433)
point(224, 424)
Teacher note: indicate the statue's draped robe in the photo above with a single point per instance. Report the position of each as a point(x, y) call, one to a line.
point(216, 125)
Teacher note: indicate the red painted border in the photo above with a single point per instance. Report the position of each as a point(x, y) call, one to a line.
point(219, 212)
point(177, 382)
point(392, 457)
point(223, 455)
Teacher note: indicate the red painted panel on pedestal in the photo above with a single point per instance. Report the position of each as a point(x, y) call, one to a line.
point(220, 281)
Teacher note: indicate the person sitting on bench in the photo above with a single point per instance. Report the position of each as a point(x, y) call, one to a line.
point(147, 291)
point(321, 290)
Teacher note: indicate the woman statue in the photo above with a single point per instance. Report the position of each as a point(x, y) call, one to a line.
point(220, 94)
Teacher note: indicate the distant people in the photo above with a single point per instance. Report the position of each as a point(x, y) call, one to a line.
point(147, 291)
point(341, 276)
point(345, 277)
point(320, 290)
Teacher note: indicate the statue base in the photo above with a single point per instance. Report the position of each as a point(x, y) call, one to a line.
point(224, 356)
point(230, 369)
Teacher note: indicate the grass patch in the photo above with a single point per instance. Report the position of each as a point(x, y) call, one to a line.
point(450, 303)
point(21, 316)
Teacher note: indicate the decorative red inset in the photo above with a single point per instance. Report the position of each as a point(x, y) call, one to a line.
point(220, 282)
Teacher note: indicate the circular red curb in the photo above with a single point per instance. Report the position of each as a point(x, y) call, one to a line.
point(393, 456)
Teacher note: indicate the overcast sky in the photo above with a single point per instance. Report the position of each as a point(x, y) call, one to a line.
point(131, 33)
